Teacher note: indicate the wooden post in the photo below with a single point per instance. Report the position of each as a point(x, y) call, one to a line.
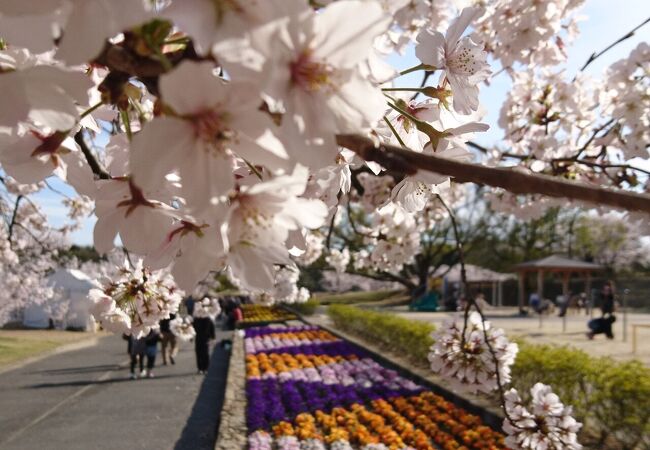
point(494, 294)
point(590, 300)
point(522, 289)
point(500, 285)
point(540, 293)
point(565, 294)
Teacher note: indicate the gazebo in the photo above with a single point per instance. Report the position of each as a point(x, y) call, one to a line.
point(477, 275)
point(554, 264)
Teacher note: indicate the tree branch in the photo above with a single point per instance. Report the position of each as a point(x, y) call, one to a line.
point(628, 35)
point(14, 216)
point(512, 180)
point(90, 157)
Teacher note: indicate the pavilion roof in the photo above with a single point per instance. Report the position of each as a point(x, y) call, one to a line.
point(557, 262)
point(475, 274)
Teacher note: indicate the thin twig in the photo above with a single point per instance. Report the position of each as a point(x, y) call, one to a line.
point(329, 232)
point(597, 55)
point(14, 216)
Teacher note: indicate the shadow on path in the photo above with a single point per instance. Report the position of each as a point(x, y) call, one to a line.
point(200, 432)
point(85, 369)
point(107, 381)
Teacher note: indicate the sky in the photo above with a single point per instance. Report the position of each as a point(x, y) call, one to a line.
point(605, 21)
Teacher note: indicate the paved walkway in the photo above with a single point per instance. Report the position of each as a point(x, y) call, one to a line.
point(84, 399)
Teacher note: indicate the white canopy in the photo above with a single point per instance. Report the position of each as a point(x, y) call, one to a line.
point(475, 274)
point(70, 305)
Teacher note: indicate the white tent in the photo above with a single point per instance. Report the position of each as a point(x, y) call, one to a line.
point(71, 300)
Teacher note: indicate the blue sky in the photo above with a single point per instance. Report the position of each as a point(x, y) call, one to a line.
point(606, 21)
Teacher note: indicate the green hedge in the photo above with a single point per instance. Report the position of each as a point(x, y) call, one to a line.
point(407, 337)
point(306, 309)
point(355, 297)
point(611, 398)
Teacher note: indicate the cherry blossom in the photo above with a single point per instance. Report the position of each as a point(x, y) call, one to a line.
point(207, 307)
point(548, 424)
point(260, 218)
point(461, 354)
point(211, 120)
point(182, 328)
point(316, 81)
point(134, 300)
point(463, 61)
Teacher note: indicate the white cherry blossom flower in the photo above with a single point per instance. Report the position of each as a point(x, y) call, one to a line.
point(464, 62)
point(213, 121)
point(311, 74)
point(548, 424)
point(462, 356)
point(182, 328)
point(134, 300)
point(260, 218)
point(121, 208)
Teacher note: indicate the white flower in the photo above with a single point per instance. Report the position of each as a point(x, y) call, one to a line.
point(122, 208)
point(311, 73)
point(464, 62)
point(182, 328)
point(134, 300)
point(260, 218)
point(194, 250)
point(464, 358)
point(338, 259)
point(207, 307)
point(211, 120)
point(43, 94)
point(31, 158)
point(91, 22)
point(549, 425)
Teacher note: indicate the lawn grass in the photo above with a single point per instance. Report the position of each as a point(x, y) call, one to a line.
point(349, 298)
point(16, 345)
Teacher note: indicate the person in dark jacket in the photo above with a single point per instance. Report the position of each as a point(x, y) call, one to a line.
point(607, 299)
point(204, 327)
point(602, 325)
point(189, 305)
point(137, 350)
point(168, 342)
point(151, 342)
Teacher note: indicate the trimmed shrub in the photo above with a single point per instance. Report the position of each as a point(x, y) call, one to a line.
point(611, 399)
point(407, 337)
point(306, 309)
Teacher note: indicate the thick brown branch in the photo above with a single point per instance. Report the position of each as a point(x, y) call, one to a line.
point(510, 179)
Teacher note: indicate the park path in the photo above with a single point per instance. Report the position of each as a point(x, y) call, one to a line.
point(84, 399)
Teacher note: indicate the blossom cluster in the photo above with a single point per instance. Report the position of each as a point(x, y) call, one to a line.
point(285, 288)
point(134, 300)
point(464, 354)
point(183, 328)
point(546, 423)
point(330, 394)
point(207, 307)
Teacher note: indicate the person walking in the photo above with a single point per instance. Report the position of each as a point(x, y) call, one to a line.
point(604, 323)
point(138, 349)
point(151, 342)
point(205, 332)
point(607, 299)
point(168, 342)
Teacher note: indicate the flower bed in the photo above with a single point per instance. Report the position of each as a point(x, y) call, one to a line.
point(255, 315)
point(307, 389)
